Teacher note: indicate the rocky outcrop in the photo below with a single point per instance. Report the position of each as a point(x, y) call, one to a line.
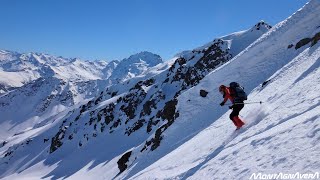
point(122, 162)
point(307, 40)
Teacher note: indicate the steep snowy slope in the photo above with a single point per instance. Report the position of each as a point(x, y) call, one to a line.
point(118, 122)
point(241, 40)
point(281, 135)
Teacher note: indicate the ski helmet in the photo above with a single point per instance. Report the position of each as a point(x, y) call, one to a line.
point(222, 88)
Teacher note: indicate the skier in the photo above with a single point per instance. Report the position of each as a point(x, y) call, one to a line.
point(236, 106)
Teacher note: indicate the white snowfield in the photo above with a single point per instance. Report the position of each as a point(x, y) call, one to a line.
point(281, 135)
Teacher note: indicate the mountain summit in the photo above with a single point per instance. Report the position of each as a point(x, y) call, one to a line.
point(134, 65)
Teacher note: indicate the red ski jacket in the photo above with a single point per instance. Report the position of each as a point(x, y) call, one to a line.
point(227, 95)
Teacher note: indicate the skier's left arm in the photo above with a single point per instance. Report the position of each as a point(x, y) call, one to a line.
point(225, 96)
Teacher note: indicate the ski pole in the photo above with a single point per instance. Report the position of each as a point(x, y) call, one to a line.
point(260, 102)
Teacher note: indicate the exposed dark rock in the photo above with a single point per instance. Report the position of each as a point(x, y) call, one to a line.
point(149, 82)
point(190, 76)
point(115, 124)
point(98, 100)
point(83, 108)
point(8, 153)
point(305, 41)
point(290, 46)
point(147, 107)
point(132, 101)
point(3, 143)
point(265, 83)
point(122, 162)
point(165, 81)
point(89, 104)
point(179, 62)
point(70, 137)
point(167, 113)
point(169, 110)
point(56, 141)
point(107, 112)
point(137, 86)
point(315, 39)
point(114, 94)
point(102, 127)
point(28, 141)
point(151, 123)
point(302, 42)
point(137, 125)
point(92, 120)
point(203, 93)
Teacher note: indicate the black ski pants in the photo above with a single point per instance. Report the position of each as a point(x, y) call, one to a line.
point(236, 108)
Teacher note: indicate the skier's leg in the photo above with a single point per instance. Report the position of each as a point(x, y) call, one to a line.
point(232, 117)
point(240, 120)
point(236, 109)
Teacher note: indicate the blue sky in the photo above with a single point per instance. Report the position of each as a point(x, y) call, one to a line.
point(116, 29)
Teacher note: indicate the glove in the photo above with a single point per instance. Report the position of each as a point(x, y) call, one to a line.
point(221, 104)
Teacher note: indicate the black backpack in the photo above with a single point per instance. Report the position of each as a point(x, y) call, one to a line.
point(237, 92)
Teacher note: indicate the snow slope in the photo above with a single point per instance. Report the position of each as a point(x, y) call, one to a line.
point(277, 136)
point(281, 135)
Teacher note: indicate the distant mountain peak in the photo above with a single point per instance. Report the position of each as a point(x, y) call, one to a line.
point(134, 65)
point(261, 25)
point(146, 56)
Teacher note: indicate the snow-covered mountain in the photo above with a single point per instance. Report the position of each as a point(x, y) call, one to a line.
point(166, 123)
point(134, 65)
point(18, 69)
point(59, 84)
